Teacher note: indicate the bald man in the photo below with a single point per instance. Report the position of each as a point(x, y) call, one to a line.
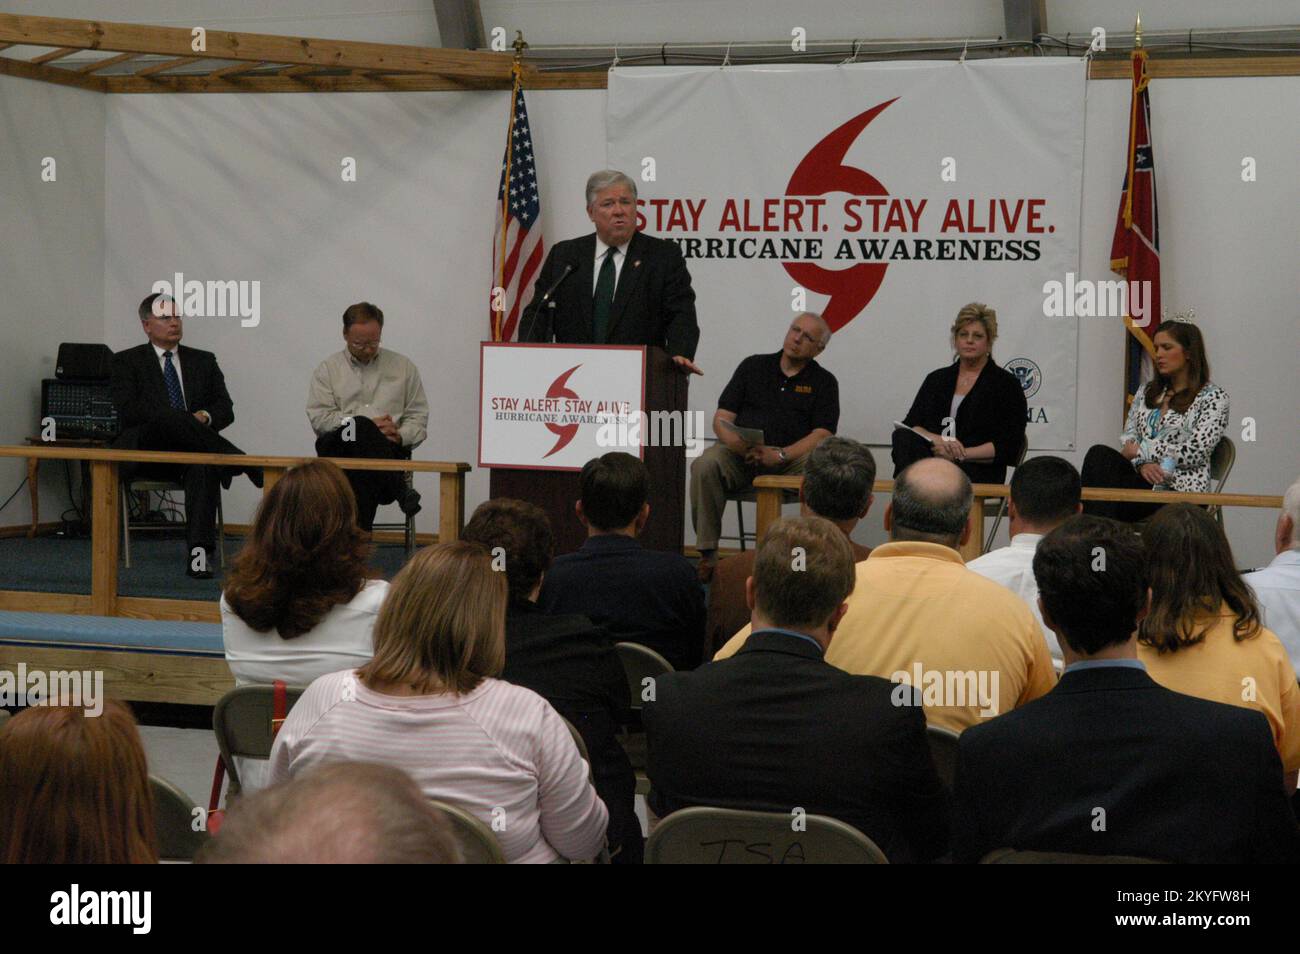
point(918, 615)
point(791, 399)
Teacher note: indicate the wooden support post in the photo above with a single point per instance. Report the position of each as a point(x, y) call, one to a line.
point(769, 509)
point(451, 506)
point(974, 544)
point(104, 536)
point(269, 477)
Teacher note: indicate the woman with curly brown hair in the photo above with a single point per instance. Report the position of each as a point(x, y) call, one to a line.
point(74, 788)
point(1203, 634)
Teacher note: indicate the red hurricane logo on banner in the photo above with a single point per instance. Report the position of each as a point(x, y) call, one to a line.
point(820, 172)
point(560, 389)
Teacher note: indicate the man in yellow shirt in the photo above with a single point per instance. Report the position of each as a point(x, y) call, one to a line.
point(918, 616)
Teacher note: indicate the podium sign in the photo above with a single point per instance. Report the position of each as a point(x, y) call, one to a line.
point(555, 407)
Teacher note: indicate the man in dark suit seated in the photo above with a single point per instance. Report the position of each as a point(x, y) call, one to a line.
point(837, 482)
point(1109, 762)
point(776, 728)
point(566, 659)
point(642, 596)
point(173, 398)
point(617, 285)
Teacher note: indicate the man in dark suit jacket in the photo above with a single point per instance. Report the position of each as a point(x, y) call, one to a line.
point(776, 728)
point(1109, 762)
point(565, 659)
point(837, 482)
point(173, 398)
point(637, 595)
point(617, 285)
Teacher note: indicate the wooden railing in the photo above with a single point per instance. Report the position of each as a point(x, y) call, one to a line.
point(105, 512)
point(769, 490)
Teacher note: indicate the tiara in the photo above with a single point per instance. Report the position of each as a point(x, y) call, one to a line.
point(1186, 317)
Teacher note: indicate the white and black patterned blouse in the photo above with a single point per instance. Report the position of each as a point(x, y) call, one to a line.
point(1188, 438)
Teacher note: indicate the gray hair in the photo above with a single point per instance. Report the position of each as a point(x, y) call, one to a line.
point(1291, 507)
point(826, 338)
point(838, 477)
point(935, 512)
point(604, 179)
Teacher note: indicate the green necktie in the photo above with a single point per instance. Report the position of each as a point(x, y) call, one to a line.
point(604, 298)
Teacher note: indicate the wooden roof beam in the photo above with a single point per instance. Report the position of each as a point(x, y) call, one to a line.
point(51, 74)
point(167, 65)
point(53, 55)
point(107, 62)
point(221, 45)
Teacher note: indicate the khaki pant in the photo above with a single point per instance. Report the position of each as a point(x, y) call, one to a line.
point(714, 474)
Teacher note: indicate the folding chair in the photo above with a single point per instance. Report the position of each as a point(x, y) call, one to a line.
point(477, 842)
point(725, 836)
point(242, 721)
point(639, 663)
point(149, 485)
point(751, 496)
point(1002, 507)
point(408, 525)
point(1222, 458)
point(174, 813)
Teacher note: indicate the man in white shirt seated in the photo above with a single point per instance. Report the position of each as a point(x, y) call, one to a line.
point(1044, 494)
point(365, 401)
point(1277, 586)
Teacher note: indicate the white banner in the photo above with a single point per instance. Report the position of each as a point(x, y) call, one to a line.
point(884, 196)
point(555, 407)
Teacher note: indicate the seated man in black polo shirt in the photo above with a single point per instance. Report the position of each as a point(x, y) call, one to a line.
point(792, 399)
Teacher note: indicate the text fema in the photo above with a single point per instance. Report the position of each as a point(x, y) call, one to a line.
point(214, 299)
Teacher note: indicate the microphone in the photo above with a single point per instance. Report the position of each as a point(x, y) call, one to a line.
point(545, 300)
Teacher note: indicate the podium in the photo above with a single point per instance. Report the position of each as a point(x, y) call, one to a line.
point(534, 396)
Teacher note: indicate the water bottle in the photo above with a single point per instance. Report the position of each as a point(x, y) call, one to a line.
point(1170, 467)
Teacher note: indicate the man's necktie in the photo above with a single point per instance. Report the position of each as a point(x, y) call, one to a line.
point(604, 301)
point(173, 381)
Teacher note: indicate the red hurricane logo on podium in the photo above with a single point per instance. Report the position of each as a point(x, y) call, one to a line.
point(560, 389)
point(820, 172)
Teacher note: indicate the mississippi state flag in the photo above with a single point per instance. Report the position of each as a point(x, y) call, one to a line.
point(517, 247)
point(1135, 250)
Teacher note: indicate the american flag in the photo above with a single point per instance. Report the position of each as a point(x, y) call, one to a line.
point(517, 246)
point(1135, 249)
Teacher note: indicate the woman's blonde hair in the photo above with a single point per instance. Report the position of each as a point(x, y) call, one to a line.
point(977, 311)
point(442, 625)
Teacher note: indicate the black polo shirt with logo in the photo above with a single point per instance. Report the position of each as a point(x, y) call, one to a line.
point(785, 408)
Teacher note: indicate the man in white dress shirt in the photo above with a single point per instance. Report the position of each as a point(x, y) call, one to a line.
point(1277, 586)
point(1044, 494)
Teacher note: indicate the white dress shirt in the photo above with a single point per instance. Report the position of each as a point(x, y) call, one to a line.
point(620, 255)
point(1013, 567)
point(1277, 587)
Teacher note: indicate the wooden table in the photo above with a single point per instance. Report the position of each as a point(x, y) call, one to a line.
point(33, 472)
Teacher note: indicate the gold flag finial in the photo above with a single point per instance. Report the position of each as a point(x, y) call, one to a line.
point(1137, 32)
point(519, 44)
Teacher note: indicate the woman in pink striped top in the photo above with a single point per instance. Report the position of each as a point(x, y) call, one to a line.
point(428, 703)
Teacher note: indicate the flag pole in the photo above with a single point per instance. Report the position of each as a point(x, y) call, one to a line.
point(516, 74)
point(1128, 217)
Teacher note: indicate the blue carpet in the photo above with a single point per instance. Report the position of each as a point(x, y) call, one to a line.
point(62, 565)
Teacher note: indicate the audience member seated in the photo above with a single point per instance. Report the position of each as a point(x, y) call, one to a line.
point(1172, 428)
point(74, 788)
point(837, 480)
point(565, 659)
point(1109, 762)
point(429, 703)
point(298, 601)
point(918, 615)
point(1044, 494)
point(775, 728)
point(1203, 635)
point(1277, 586)
point(651, 597)
point(350, 813)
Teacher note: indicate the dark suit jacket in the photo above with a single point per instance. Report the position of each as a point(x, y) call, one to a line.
point(139, 392)
point(1180, 779)
point(572, 664)
point(775, 727)
point(728, 613)
point(654, 303)
point(994, 410)
point(637, 595)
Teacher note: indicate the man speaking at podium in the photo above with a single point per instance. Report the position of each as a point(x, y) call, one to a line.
point(616, 286)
